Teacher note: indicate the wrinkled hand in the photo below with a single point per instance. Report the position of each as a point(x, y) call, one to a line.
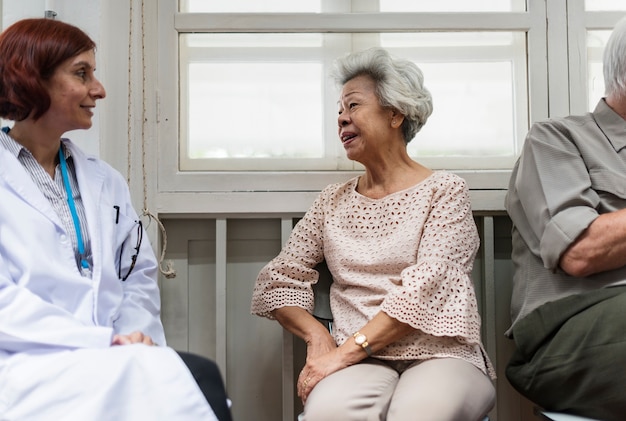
point(322, 360)
point(133, 338)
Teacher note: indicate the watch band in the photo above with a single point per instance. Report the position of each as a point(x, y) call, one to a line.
point(361, 340)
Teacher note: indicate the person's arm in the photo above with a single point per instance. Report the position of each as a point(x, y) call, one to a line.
point(283, 289)
point(552, 203)
point(323, 357)
point(382, 330)
point(302, 324)
point(287, 280)
point(601, 247)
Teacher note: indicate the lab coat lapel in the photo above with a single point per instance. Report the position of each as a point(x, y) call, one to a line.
point(18, 180)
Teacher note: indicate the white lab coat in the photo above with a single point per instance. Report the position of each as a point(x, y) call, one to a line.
point(56, 326)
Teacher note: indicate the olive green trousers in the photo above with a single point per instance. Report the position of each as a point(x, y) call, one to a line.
point(571, 355)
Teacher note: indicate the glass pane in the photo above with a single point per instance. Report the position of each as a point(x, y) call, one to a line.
point(251, 96)
point(255, 110)
point(473, 115)
point(478, 82)
point(452, 5)
point(600, 5)
point(250, 6)
point(260, 97)
point(596, 41)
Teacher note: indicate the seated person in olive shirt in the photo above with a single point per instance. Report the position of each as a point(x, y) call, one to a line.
point(567, 200)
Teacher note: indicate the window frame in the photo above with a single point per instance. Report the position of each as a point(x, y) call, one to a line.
point(579, 21)
point(171, 22)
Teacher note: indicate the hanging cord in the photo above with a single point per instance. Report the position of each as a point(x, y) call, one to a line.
point(130, 94)
point(169, 271)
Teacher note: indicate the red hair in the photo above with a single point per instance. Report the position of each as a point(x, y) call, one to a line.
point(30, 52)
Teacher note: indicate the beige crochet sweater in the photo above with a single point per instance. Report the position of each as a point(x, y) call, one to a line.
point(409, 254)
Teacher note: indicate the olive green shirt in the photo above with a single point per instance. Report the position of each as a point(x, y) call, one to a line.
point(570, 171)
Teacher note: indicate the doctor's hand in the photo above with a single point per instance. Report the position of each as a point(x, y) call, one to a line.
point(133, 338)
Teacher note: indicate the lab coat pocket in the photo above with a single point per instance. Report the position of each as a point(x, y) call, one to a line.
point(128, 236)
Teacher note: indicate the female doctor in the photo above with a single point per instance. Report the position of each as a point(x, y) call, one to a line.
point(79, 302)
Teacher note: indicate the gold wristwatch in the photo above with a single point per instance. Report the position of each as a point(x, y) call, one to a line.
point(361, 340)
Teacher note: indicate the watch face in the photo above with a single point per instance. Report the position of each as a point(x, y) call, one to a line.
point(359, 339)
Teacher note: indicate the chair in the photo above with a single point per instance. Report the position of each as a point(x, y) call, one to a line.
point(558, 416)
point(321, 291)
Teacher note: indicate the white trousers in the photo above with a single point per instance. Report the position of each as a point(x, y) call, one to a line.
point(130, 382)
point(444, 389)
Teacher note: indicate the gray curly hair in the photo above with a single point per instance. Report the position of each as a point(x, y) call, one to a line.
point(399, 84)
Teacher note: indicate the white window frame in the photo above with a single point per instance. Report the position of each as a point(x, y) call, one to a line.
point(579, 22)
point(267, 191)
point(332, 147)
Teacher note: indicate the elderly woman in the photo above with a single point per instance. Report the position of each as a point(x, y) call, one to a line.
point(79, 300)
point(400, 242)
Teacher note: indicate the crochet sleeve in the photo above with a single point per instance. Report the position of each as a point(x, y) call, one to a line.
point(287, 279)
point(438, 295)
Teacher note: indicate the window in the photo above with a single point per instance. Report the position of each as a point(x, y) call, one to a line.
point(255, 93)
point(596, 41)
point(605, 5)
point(589, 26)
